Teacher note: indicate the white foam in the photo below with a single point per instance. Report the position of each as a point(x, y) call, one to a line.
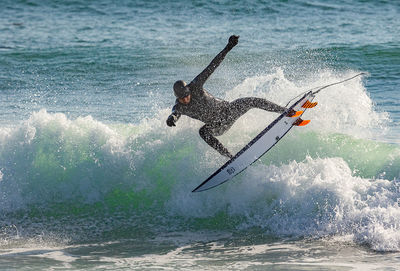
point(316, 197)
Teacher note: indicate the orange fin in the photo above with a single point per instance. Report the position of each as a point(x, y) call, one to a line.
point(294, 114)
point(309, 104)
point(297, 114)
point(300, 122)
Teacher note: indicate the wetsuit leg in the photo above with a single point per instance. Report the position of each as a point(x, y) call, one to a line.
point(207, 134)
point(240, 106)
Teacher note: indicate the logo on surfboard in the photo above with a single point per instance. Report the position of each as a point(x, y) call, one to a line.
point(231, 170)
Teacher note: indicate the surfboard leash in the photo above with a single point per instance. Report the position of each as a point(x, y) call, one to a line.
point(318, 89)
point(348, 79)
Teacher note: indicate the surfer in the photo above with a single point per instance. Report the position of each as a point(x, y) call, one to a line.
point(218, 115)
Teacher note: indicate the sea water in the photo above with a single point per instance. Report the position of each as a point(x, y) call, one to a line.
point(91, 177)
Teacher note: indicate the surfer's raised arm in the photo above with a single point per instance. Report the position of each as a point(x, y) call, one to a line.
point(203, 76)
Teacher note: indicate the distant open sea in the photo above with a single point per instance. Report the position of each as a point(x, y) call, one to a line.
point(91, 177)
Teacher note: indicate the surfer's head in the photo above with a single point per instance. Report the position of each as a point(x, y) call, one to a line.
point(182, 92)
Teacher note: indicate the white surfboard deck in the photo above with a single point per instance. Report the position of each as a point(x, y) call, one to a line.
point(257, 147)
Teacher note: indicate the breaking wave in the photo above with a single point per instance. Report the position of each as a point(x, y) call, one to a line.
point(337, 177)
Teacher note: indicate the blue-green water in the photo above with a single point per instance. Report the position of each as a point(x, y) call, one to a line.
point(91, 177)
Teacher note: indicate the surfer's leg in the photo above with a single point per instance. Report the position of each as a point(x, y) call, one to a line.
point(207, 135)
point(242, 105)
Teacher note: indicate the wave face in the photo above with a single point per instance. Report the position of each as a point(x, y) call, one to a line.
point(336, 177)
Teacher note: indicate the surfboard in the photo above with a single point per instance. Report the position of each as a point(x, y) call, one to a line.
point(261, 144)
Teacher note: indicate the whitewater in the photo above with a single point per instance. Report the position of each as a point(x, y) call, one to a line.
point(74, 180)
point(326, 179)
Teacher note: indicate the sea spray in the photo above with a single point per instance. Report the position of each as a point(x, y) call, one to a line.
point(345, 108)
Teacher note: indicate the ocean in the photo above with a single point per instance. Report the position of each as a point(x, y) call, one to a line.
point(92, 178)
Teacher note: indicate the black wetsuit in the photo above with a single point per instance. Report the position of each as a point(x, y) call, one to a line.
point(218, 115)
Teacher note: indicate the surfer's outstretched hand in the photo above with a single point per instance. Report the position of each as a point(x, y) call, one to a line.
point(233, 41)
point(171, 121)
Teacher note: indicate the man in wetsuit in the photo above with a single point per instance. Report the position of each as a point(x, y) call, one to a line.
point(218, 115)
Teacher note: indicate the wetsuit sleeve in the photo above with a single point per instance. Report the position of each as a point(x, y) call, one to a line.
point(200, 79)
point(173, 117)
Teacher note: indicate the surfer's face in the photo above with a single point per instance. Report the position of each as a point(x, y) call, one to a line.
point(185, 100)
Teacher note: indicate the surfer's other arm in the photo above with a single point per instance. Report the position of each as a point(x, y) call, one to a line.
point(173, 118)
